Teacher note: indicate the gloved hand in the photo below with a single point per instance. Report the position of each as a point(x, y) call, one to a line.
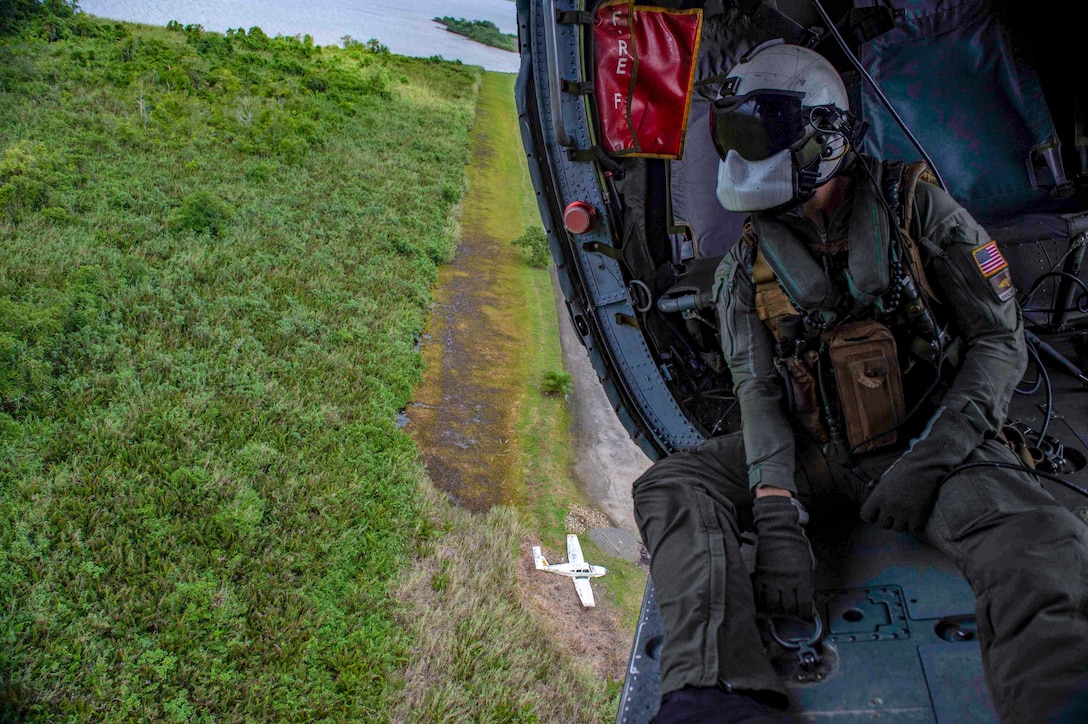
point(904, 496)
point(784, 562)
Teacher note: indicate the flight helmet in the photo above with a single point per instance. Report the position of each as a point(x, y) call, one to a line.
point(782, 126)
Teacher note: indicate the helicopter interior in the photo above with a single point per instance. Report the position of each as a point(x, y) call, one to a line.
point(978, 89)
point(971, 98)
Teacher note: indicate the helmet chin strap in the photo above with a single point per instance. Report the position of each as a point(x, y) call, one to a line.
point(806, 182)
point(807, 160)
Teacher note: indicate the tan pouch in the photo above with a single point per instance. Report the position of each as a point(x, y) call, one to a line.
point(866, 370)
point(770, 301)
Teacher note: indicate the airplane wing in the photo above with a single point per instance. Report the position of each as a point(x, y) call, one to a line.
point(585, 592)
point(574, 550)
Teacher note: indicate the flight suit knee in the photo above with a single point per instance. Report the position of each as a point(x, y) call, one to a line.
point(686, 509)
point(714, 473)
point(673, 509)
point(1030, 578)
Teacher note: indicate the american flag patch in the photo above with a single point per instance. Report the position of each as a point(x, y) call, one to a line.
point(989, 259)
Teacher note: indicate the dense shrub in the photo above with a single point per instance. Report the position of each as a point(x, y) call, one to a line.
point(16, 13)
point(24, 181)
point(557, 383)
point(202, 211)
point(38, 338)
point(534, 242)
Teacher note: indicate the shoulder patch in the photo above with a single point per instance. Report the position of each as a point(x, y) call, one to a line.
point(988, 258)
point(1002, 285)
point(995, 269)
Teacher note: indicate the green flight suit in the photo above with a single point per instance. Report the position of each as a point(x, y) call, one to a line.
point(1024, 555)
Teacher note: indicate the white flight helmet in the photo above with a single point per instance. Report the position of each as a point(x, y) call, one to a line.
point(782, 126)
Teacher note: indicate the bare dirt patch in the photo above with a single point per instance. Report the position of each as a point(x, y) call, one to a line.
point(465, 413)
point(592, 635)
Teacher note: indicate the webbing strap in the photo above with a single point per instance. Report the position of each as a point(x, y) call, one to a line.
point(596, 247)
point(577, 88)
point(771, 302)
point(913, 173)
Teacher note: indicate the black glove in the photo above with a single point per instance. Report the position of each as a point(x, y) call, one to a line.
point(904, 496)
point(784, 560)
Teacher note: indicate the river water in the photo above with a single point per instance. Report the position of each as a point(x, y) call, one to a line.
point(405, 27)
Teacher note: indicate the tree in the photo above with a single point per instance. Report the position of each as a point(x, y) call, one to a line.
point(15, 13)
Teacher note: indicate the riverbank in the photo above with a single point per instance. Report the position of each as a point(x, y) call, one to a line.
point(405, 28)
point(480, 31)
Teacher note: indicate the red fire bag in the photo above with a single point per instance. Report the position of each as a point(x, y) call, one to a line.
point(645, 66)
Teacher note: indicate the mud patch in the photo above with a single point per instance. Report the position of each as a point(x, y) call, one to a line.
point(465, 414)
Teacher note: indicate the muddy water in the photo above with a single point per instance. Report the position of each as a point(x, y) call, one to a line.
point(465, 412)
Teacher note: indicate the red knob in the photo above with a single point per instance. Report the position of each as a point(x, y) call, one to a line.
point(579, 217)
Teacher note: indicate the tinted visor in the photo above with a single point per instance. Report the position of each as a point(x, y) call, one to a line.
point(757, 125)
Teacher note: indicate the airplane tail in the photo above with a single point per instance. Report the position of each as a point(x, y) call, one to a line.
point(539, 559)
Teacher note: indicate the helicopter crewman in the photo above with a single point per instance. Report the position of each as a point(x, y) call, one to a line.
point(874, 340)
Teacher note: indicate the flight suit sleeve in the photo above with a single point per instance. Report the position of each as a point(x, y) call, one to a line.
point(748, 347)
point(980, 302)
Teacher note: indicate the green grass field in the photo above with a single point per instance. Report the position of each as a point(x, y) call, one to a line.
point(217, 254)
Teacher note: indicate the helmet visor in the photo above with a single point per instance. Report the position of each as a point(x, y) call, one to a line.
point(757, 125)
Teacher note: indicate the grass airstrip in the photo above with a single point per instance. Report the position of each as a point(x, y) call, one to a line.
point(218, 252)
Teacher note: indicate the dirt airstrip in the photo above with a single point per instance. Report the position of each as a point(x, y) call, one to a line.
point(465, 414)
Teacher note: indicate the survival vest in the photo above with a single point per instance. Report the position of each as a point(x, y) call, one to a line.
point(791, 284)
point(788, 277)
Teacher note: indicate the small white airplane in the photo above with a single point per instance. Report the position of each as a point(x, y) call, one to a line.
point(575, 567)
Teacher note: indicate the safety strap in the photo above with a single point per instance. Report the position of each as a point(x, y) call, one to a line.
point(912, 174)
point(574, 17)
point(767, 17)
point(1014, 440)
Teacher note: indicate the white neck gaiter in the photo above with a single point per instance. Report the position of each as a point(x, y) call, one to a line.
point(755, 185)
